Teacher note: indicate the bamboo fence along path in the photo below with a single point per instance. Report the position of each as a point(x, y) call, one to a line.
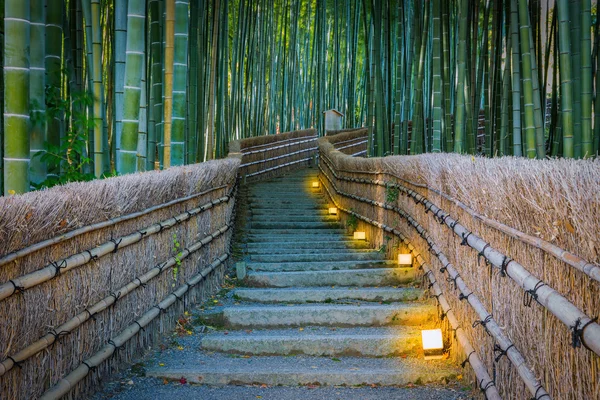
point(82, 296)
point(83, 262)
point(551, 349)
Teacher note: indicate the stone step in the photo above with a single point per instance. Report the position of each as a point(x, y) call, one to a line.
point(315, 237)
point(323, 255)
point(279, 225)
point(292, 231)
point(355, 277)
point(220, 370)
point(278, 247)
point(334, 315)
point(325, 295)
point(290, 212)
point(284, 217)
point(278, 207)
point(318, 341)
point(331, 265)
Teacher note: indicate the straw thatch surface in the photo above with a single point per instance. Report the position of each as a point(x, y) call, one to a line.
point(36, 216)
point(268, 156)
point(556, 200)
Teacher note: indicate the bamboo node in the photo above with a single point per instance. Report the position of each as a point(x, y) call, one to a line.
point(16, 288)
point(111, 342)
point(116, 296)
point(179, 298)
point(15, 362)
point(57, 336)
point(531, 294)
point(91, 368)
point(141, 327)
point(501, 352)
point(93, 257)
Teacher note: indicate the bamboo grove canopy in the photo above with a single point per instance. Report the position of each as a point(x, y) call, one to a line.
point(101, 87)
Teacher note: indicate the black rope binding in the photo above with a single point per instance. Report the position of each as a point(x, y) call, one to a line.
point(449, 279)
point(93, 257)
point(15, 362)
point(117, 243)
point(179, 298)
point(483, 255)
point(535, 396)
point(486, 387)
point(141, 327)
point(484, 323)
point(140, 283)
point(577, 332)
point(117, 348)
point(462, 297)
point(160, 309)
point(58, 267)
point(531, 294)
point(505, 261)
point(467, 359)
point(16, 288)
point(443, 219)
point(501, 352)
point(90, 315)
point(116, 296)
point(443, 314)
point(464, 239)
point(444, 268)
point(57, 336)
point(453, 224)
point(91, 368)
point(142, 232)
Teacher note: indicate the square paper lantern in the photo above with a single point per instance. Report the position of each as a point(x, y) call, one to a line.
point(332, 210)
point(360, 235)
point(433, 344)
point(315, 184)
point(405, 259)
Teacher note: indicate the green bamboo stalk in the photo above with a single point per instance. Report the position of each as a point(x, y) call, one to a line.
point(211, 96)
point(587, 144)
point(566, 82)
point(37, 90)
point(517, 149)
point(134, 65)
point(168, 81)
point(192, 131)
point(53, 61)
point(119, 54)
point(459, 134)
point(100, 150)
point(142, 141)
point(437, 78)
point(527, 75)
point(574, 25)
point(180, 72)
point(16, 105)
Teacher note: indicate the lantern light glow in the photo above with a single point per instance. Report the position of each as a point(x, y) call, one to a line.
point(404, 259)
point(433, 344)
point(360, 235)
point(333, 211)
point(315, 184)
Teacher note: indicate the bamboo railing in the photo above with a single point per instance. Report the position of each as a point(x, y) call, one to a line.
point(78, 295)
point(266, 156)
point(362, 185)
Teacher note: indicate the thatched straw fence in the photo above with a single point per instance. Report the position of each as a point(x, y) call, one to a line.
point(272, 155)
point(92, 273)
point(510, 250)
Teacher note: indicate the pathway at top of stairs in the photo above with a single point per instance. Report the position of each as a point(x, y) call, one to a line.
point(317, 310)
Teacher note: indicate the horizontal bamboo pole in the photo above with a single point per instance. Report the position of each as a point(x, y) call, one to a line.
point(491, 326)
point(306, 140)
point(352, 145)
point(278, 166)
point(359, 153)
point(75, 322)
point(581, 325)
point(278, 157)
point(89, 228)
point(52, 270)
point(486, 384)
point(244, 149)
point(68, 382)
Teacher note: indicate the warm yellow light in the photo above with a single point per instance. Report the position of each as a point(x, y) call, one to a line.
point(433, 344)
point(359, 235)
point(315, 184)
point(404, 259)
point(432, 339)
point(333, 210)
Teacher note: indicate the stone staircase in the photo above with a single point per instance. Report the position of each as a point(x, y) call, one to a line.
point(317, 307)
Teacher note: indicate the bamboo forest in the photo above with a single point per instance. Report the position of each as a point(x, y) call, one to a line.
point(104, 87)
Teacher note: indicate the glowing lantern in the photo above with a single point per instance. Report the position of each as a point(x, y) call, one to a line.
point(404, 259)
point(332, 210)
point(315, 184)
point(433, 344)
point(360, 235)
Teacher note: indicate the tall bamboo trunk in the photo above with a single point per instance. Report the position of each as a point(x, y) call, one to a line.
point(134, 65)
point(168, 81)
point(180, 73)
point(566, 83)
point(16, 105)
point(37, 91)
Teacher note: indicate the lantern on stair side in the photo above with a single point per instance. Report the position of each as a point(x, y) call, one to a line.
point(433, 344)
